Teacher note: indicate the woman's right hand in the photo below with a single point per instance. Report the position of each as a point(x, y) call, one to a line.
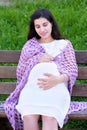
point(46, 58)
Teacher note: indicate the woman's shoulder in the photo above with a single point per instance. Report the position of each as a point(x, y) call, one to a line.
point(64, 41)
point(30, 42)
point(65, 45)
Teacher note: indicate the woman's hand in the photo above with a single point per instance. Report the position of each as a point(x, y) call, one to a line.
point(46, 58)
point(48, 82)
point(51, 80)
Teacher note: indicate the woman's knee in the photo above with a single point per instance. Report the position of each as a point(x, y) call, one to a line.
point(31, 118)
point(48, 119)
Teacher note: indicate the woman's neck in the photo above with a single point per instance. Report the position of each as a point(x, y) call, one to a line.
point(46, 40)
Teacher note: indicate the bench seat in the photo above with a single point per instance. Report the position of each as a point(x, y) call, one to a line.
point(8, 63)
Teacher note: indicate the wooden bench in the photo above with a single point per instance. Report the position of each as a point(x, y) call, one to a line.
point(8, 63)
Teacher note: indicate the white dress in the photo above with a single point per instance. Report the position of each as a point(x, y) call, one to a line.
point(53, 102)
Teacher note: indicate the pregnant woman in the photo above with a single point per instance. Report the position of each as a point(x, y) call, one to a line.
point(46, 74)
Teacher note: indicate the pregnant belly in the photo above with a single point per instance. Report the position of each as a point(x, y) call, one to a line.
point(41, 68)
point(31, 92)
point(37, 72)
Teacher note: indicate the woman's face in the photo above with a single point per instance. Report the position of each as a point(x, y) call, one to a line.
point(43, 27)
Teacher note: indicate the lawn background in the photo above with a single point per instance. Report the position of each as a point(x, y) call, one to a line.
point(71, 16)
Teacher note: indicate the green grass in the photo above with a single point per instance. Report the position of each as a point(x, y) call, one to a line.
point(71, 16)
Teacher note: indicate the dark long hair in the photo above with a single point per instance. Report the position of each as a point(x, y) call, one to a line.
point(44, 13)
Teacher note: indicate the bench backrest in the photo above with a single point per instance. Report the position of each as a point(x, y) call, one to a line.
point(8, 63)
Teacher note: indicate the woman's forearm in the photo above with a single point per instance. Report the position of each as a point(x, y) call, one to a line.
point(63, 78)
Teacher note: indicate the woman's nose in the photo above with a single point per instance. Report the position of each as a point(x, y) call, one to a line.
point(42, 29)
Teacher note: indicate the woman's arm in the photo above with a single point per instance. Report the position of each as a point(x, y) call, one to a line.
point(66, 63)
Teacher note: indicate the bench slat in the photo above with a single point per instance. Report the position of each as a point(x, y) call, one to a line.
point(8, 72)
point(81, 56)
point(7, 87)
point(79, 115)
point(9, 56)
point(82, 73)
point(80, 90)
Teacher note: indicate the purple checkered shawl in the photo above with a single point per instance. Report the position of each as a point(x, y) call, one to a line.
point(29, 57)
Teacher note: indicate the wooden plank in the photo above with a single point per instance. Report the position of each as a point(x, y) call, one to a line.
point(79, 90)
point(2, 111)
point(79, 115)
point(82, 73)
point(12, 56)
point(9, 56)
point(81, 56)
point(8, 72)
point(7, 87)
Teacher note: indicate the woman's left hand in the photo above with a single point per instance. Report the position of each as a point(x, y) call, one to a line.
point(48, 82)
